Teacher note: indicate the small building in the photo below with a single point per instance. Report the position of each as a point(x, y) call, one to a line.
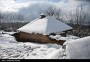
point(39, 30)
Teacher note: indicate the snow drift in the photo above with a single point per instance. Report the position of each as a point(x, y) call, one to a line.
point(78, 49)
point(75, 49)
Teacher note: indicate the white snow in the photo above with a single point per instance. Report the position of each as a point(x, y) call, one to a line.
point(44, 26)
point(11, 49)
point(78, 49)
point(67, 38)
point(57, 54)
point(73, 48)
point(61, 52)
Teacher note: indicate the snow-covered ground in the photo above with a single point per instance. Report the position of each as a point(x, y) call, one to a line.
point(11, 49)
point(74, 48)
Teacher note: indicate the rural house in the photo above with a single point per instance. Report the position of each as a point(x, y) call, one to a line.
point(40, 29)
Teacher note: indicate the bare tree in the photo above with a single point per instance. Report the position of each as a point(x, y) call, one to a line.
point(54, 11)
point(20, 17)
point(80, 15)
point(1, 17)
point(77, 18)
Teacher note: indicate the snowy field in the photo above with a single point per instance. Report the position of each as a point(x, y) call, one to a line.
point(11, 49)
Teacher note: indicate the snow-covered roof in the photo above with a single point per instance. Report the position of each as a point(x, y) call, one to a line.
point(46, 25)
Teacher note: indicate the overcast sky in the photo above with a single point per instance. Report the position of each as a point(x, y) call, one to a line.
point(33, 7)
point(15, 5)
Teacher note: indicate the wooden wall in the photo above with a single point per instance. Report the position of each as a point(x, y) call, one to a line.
point(38, 38)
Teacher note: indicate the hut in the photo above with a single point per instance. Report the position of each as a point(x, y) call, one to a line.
point(39, 30)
